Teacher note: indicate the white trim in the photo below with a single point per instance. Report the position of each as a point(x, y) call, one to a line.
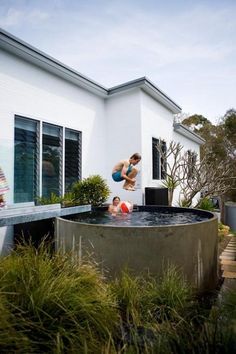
point(183, 130)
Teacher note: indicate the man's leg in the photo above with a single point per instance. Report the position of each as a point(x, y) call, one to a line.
point(130, 185)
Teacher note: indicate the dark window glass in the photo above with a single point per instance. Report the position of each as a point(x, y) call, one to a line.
point(192, 160)
point(72, 158)
point(52, 160)
point(26, 160)
point(163, 160)
point(155, 159)
point(159, 164)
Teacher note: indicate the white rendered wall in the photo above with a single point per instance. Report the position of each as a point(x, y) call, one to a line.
point(29, 91)
point(157, 122)
point(123, 131)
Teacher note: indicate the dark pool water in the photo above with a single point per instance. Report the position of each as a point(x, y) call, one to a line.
point(140, 218)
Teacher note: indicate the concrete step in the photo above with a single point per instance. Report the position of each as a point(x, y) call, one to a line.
point(230, 275)
point(226, 261)
point(228, 267)
point(231, 257)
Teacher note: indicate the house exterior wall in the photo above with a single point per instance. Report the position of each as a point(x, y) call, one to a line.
point(123, 131)
point(28, 91)
point(157, 122)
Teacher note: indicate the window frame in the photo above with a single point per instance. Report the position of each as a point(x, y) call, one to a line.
point(39, 156)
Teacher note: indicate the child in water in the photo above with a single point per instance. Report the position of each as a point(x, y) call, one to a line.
point(119, 206)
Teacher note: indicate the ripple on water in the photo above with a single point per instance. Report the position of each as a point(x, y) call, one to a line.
point(140, 218)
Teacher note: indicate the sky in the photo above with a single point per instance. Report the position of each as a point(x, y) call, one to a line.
point(186, 48)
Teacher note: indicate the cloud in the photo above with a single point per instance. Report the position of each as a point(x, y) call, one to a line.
point(187, 48)
point(16, 17)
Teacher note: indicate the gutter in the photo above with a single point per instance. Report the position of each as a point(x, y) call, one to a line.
point(185, 131)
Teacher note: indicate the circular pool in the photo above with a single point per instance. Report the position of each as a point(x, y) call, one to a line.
point(149, 239)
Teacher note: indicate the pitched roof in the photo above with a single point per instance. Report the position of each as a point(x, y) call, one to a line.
point(33, 55)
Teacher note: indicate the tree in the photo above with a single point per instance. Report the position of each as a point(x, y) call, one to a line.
point(220, 146)
point(171, 168)
point(192, 176)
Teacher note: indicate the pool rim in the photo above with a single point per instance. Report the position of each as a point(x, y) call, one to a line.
point(211, 217)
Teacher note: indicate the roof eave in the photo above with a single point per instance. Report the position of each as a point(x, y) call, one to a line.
point(183, 130)
point(147, 86)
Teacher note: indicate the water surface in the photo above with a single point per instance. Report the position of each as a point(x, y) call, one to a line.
point(140, 218)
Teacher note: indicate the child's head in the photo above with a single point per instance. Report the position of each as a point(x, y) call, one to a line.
point(116, 200)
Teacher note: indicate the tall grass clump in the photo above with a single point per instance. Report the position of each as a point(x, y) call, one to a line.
point(50, 304)
point(220, 328)
point(158, 315)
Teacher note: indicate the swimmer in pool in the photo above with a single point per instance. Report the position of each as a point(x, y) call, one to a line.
point(119, 206)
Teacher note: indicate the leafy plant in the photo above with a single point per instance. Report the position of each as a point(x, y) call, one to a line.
point(53, 199)
point(223, 230)
point(205, 204)
point(69, 199)
point(92, 190)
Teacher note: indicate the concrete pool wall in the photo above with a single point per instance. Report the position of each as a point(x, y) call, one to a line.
point(190, 247)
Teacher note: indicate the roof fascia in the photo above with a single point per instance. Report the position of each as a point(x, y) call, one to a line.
point(36, 57)
point(183, 130)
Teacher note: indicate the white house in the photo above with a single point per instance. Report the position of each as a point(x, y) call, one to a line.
point(58, 125)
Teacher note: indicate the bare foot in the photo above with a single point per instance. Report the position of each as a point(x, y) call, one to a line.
point(129, 188)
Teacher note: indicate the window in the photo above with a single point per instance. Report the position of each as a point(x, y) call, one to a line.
point(158, 160)
point(192, 159)
point(26, 161)
point(27, 166)
point(52, 160)
point(72, 157)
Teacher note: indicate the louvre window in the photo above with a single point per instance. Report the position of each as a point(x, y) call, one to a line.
point(26, 174)
point(72, 158)
point(52, 160)
point(32, 176)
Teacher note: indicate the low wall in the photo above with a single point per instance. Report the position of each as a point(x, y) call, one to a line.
point(191, 247)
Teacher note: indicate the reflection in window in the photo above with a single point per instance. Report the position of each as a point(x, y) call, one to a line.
point(51, 160)
point(26, 160)
point(159, 164)
point(72, 158)
point(27, 165)
point(192, 160)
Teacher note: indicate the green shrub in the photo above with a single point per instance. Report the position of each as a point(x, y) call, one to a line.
point(69, 200)
point(53, 199)
point(92, 190)
point(205, 204)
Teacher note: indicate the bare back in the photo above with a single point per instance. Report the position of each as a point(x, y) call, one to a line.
point(120, 165)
